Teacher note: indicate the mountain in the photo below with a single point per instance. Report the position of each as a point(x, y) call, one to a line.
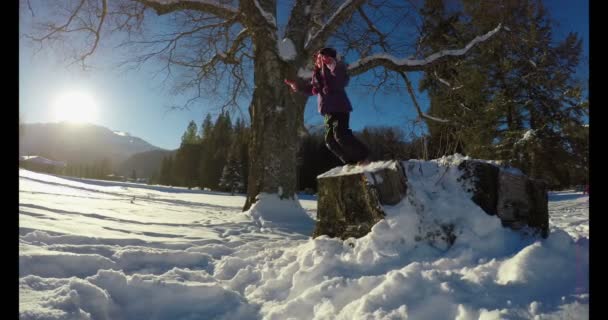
point(145, 164)
point(80, 143)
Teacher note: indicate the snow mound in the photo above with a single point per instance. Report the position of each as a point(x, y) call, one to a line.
point(111, 294)
point(270, 212)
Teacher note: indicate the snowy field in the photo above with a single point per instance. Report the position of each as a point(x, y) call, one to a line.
point(108, 250)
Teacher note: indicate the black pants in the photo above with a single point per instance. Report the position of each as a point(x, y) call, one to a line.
point(340, 139)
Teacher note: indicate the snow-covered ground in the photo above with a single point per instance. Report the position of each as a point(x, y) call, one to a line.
point(569, 211)
point(110, 250)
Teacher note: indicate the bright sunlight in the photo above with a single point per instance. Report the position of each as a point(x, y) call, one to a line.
point(75, 107)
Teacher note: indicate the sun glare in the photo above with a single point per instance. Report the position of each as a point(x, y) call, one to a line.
point(75, 107)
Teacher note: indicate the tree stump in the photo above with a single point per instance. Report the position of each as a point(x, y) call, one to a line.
point(522, 202)
point(483, 179)
point(351, 198)
point(539, 210)
point(516, 199)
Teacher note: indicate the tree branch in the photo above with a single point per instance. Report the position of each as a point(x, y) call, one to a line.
point(421, 114)
point(406, 65)
point(213, 7)
point(236, 46)
point(84, 26)
point(227, 57)
point(61, 28)
point(104, 13)
point(268, 16)
point(373, 28)
point(342, 14)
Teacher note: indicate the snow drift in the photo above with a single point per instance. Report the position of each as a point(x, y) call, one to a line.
point(87, 252)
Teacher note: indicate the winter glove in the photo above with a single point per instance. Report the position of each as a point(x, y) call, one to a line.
point(291, 84)
point(315, 91)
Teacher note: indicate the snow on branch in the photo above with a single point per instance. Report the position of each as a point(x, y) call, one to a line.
point(210, 6)
point(396, 64)
point(465, 107)
point(429, 117)
point(446, 83)
point(528, 136)
point(230, 56)
point(268, 16)
point(442, 80)
point(342, 14)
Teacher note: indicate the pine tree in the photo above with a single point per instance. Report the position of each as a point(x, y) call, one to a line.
point(219, 147)
point(190, 136)
point(206, 127)
point(166, 171)
point(241, 135)
point(187, 160)
point(520, 83)
point(187, 157)
point(232, 178)
point(456, 89)
point(206, 153)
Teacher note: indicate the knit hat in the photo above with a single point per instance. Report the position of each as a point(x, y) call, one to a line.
point(331, 52)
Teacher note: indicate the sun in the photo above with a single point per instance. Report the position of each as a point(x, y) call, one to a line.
point(75, 107)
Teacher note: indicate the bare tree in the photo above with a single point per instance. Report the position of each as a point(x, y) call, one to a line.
point(221, 47)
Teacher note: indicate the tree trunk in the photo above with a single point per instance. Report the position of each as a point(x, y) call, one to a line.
point(350, 200)
point(276, 116)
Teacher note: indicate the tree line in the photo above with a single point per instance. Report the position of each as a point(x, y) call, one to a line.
point(216, 156)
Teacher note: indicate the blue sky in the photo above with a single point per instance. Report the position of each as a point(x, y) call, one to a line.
point(136, 103)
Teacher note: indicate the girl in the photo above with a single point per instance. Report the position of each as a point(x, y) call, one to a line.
point(328, 82)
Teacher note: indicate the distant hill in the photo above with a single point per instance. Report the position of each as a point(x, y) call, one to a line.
point(145, 164)
point(84, 144)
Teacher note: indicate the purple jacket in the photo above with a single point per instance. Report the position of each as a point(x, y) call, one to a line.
point(331, 96)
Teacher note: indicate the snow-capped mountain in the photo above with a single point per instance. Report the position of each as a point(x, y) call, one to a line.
point(82, 143)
